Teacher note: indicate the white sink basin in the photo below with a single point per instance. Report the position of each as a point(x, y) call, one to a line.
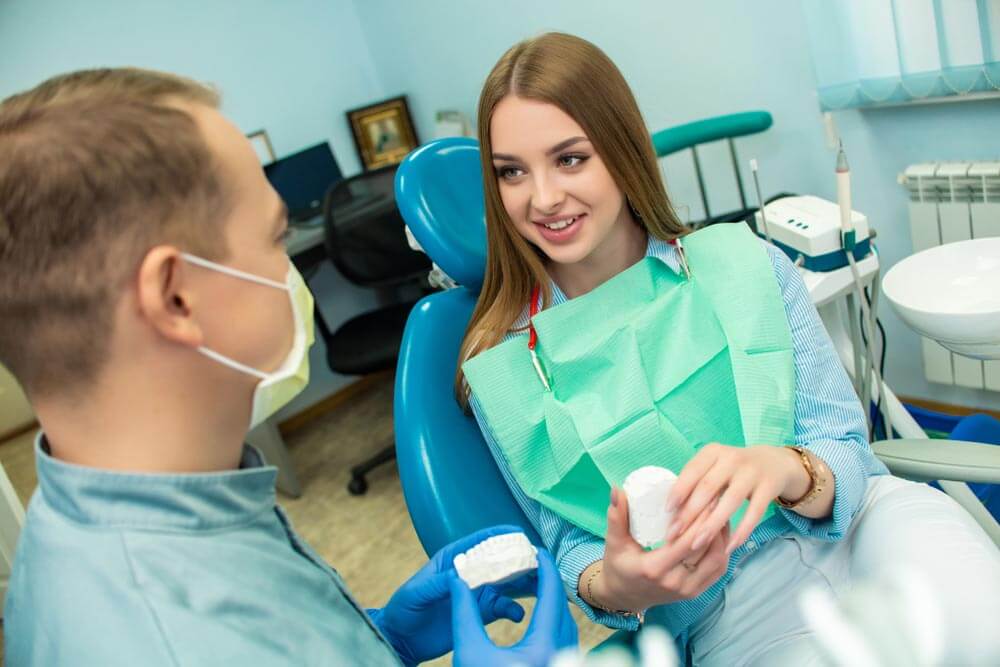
point(951, 293)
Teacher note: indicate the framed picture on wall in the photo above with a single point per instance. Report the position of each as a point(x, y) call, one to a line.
point(383, 132)
point(262, 145)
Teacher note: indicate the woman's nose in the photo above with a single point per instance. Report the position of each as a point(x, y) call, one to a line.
point(547, 196)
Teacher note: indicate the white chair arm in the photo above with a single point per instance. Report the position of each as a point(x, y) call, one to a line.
point(927, 460)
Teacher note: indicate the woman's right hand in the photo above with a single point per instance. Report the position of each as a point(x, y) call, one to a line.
point(635, 579)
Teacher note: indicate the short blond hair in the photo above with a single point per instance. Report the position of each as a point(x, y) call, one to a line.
point(96, 168)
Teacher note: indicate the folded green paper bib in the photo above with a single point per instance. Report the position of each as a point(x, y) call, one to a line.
point(645, 370)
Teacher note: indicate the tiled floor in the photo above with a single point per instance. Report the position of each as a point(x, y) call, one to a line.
point(369, 539)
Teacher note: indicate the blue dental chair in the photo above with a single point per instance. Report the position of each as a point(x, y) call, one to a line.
point(450, 482)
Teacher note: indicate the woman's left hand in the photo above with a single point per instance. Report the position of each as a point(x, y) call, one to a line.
point(730, 475)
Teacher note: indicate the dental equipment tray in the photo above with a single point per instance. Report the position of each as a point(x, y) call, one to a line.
point(808, 227)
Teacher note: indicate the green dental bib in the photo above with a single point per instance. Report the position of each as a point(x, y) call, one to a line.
point(645, 370)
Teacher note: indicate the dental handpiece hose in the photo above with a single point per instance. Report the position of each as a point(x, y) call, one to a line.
point(844, 191)
point(843, 175)
point(843, 172)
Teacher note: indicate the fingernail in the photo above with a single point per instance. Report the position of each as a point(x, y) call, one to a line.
point(698, 541)
point(673, 531)
point(614, 497)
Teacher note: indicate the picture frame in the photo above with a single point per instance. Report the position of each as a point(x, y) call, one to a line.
point(383, 132)
point(262, 146)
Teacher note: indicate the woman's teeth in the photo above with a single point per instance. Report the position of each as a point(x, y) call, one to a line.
point(562, 224)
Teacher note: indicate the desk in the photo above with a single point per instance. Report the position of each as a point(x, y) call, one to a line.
point(305, 245)
point(305, 248)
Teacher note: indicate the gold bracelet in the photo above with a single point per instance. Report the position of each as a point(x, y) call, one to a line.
point(816, 484)
point(592, 601)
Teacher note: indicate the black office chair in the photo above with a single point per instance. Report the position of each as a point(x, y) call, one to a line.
point(366, 241)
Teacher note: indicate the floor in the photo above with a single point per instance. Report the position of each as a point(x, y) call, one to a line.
point(369, 539)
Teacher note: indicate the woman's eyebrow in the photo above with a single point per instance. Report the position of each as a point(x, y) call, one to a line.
point(562, 145)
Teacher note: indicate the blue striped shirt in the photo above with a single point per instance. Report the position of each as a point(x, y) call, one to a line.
point(829, 421)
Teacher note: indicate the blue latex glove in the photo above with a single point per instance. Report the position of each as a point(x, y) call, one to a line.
point(551, 629)
point(417, 619)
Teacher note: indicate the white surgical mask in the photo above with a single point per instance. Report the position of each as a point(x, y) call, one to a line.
point(280, 386)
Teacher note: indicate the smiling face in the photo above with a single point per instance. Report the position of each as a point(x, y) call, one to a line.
point(555, 187)
point(562, 143)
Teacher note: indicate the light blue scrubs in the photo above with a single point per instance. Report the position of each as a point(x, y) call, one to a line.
point(197, 569)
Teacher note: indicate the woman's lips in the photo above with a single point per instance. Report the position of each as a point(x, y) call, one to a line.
point(565, 234)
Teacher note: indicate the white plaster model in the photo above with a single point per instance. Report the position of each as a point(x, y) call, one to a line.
point(496, 560)
point(647, 489)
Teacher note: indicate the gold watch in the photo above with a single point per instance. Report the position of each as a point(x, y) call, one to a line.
point(817, 482)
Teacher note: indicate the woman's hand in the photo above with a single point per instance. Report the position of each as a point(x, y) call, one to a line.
point(725, 476)
point(634, 579)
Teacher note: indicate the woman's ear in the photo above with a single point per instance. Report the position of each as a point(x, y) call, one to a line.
point(165, 298)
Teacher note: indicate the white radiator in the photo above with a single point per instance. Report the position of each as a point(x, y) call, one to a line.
point(954, 201)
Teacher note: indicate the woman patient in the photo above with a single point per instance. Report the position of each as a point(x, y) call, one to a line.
point(607, 338)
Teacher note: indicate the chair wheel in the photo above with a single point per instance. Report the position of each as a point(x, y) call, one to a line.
point(357, 486)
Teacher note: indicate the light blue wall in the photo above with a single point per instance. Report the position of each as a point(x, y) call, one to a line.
point(294, 67)
point(689, 60)
point(291, 67)
point(684, 61)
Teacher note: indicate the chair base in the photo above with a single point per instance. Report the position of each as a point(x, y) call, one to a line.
point(358, 484)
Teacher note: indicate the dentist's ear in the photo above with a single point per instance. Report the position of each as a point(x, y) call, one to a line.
point(164, 296)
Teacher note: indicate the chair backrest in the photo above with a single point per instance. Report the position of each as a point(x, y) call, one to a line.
point(439, 191)
point(450, 481)
point(364, 233)
point(728, 127)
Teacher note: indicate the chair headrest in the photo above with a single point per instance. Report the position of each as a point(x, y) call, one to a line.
point(439, 192)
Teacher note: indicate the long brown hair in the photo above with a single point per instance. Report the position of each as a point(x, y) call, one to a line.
point(578, 78)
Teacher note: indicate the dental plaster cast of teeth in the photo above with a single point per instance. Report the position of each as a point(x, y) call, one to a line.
point(496, 560)
point(647, 489)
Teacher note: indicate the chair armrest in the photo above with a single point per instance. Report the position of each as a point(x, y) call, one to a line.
point(927, 460)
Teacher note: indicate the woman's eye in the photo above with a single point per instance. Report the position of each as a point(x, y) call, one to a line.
point(508, 173)
point(571, 160)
